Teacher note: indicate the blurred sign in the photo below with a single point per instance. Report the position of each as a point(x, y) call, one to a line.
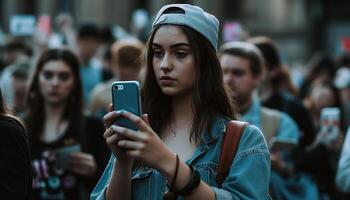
point(345, 43)
point(233, 31)
point(22, 25)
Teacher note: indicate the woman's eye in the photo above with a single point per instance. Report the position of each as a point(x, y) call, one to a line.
point(238, 72)
point(64, 76)
point(225, 71)
point(157, 53)
point(47, 75)
point(180, 54)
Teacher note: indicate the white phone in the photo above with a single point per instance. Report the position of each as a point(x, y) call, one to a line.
point(330, 123)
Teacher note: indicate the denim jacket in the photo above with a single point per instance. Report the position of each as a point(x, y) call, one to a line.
point(248, 177)
point(288, 128)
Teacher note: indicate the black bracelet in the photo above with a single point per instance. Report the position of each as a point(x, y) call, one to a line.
point(191, 187)
point(173, 181)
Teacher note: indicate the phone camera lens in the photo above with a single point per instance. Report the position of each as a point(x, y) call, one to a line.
point(118, 87)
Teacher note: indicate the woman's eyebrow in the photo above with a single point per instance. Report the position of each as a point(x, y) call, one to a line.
point(55, 71)
point(180, 44)
point(174, 45)
point(156, 45)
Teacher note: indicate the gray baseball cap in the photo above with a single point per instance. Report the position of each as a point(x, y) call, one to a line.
point(193, 17)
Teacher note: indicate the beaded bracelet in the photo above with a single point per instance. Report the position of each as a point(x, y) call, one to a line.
point(192, 186)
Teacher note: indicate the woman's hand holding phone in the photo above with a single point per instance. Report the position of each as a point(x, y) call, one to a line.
point(143, 144)
point(112, 138)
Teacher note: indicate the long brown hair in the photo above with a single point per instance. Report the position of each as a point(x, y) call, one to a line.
point(210, 98)
point(73, 111)
point(278, 74)
point(4, 112)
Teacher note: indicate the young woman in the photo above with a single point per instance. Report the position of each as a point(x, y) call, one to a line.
point(68, 150)
point(178, 146)
point(15, 167)
point(321, 157)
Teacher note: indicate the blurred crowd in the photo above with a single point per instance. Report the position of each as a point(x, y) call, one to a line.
point(60, 86)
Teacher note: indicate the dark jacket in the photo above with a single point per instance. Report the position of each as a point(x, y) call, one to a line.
point(15, 162)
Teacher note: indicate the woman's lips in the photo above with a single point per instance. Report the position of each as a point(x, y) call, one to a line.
point(167, 81)
point(53, 93)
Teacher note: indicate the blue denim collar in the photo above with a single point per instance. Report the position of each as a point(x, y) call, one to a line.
point(252, 115)
point(254, 108)
point(217, 129)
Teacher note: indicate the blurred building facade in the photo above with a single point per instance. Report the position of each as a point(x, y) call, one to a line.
point(300, 27)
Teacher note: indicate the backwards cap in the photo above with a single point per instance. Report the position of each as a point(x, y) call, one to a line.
point(193, 17)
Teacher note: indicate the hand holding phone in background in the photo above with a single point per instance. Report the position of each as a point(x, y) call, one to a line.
point(287, 145)
point(329, 133)
point(62, 156)
point(82, 163)
point(329, 125)
point(281, 151)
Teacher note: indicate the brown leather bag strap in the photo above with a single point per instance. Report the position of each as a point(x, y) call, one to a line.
point(234, 131)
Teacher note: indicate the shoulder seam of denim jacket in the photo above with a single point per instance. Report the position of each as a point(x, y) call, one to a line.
point(252, 152)
point(255, 148)
point(260, 147)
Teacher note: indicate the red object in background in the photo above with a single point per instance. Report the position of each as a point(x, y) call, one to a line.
point(233, 31)
point(44, 25)
point(345, 44)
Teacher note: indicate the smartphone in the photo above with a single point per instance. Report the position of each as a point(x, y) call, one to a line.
point(62, 155)
point(330, 123)
point(277, 144)
point(126, 96)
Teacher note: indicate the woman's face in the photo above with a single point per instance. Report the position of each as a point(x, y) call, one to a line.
point(56, 82)
point(322, 97)
point(173, 61)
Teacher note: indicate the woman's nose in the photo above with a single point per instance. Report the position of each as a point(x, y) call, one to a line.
point(166, 63)
point(55, 80)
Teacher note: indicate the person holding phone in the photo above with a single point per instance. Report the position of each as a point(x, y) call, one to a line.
point(176, 147)
point(321, 158)
point(15, 167)
point(67, 147)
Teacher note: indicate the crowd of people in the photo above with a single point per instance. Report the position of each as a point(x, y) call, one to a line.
point(59, 139)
